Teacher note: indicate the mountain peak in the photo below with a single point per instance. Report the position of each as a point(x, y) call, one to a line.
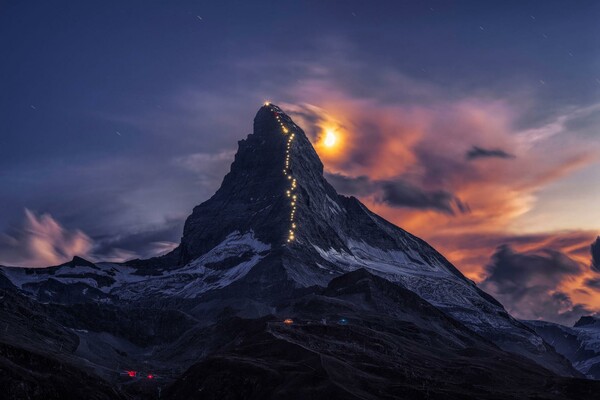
point(268, 120)
point(587, 320)
point(262, 193)
point(78, 262)
point(275, 194)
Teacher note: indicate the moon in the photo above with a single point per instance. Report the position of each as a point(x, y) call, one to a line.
point(330, 139)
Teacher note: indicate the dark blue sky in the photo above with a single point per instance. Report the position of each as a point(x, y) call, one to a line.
point(116, 118)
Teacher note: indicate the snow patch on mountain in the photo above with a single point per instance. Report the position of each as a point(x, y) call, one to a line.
point(431, 280)
point(202, 274)
point(243, 251)
point(234, 244)
point(580, 344)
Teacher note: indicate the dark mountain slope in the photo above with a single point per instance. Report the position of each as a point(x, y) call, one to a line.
point(580, 343)
point(364, 338)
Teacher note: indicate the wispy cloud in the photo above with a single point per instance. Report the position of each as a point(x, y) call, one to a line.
point(42, 241)
point(397, 193)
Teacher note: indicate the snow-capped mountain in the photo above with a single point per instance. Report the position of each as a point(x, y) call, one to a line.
point(579, 343)
point(277, 174)
point(276, 225)
point(277, 241)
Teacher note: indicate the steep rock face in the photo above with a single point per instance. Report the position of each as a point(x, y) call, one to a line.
point(250, 197)
point(580, 343)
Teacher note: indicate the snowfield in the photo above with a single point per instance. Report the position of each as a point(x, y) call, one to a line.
point(130, 283)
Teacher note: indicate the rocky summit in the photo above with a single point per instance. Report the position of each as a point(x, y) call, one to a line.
point(280, 287)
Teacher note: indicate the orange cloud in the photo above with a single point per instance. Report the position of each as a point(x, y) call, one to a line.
point(426, 145)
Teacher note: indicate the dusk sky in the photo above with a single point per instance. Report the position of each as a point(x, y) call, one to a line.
point(472, 124)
